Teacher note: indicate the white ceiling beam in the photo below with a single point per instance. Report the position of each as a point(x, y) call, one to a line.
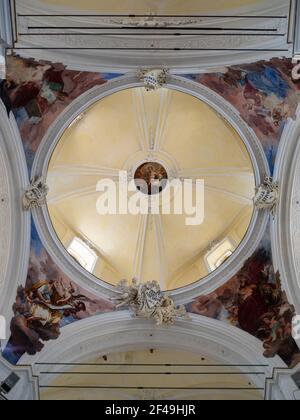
point(139, 109)
point(140, 247)
point(83, 170)
point(79, 171)
point(231, 195)
point(201, 173)
point(6, 30)
point(231, 49)
point(165, 102)
point(75, 193)
point(6, 34)
point(161, 251)
point(218, 171)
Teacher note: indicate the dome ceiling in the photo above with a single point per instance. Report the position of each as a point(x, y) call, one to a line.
point(177, 135)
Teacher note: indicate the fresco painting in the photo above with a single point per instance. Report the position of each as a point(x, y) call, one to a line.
point(38, 92)
point(263, 93)
point(48, 302)
point(253, 300)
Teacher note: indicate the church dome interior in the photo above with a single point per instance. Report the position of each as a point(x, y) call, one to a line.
point(149, 203)
point(190, 140)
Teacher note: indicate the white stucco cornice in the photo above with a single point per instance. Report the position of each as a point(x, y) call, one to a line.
point(296, 26)
point(207, 51)
point(27, 388)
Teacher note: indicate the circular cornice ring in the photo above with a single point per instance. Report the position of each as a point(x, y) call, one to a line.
point(226, 110)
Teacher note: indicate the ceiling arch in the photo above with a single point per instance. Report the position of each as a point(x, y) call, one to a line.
point(14, 222)
point(119, 332)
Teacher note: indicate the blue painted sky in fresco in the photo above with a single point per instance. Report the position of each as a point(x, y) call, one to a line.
point(36, 244)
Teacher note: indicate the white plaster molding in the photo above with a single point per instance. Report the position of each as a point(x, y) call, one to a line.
point(6, 34)
point(254, 147)
point(140, 246)
point(156, 220)
point(14, 223)
point(27, 387)
point(282, 381)
point(6, 31)
point(296, 9)
point(119, 332)
point(80, 58)
point(285, 229)
point(5, 213)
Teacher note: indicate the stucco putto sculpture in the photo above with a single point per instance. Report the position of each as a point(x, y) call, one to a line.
point(153, 79)
point(148, 301)
point(35, 195)
point(267, 195)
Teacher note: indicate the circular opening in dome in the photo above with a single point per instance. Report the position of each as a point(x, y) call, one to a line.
point(151, 178)
point(158, 137)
